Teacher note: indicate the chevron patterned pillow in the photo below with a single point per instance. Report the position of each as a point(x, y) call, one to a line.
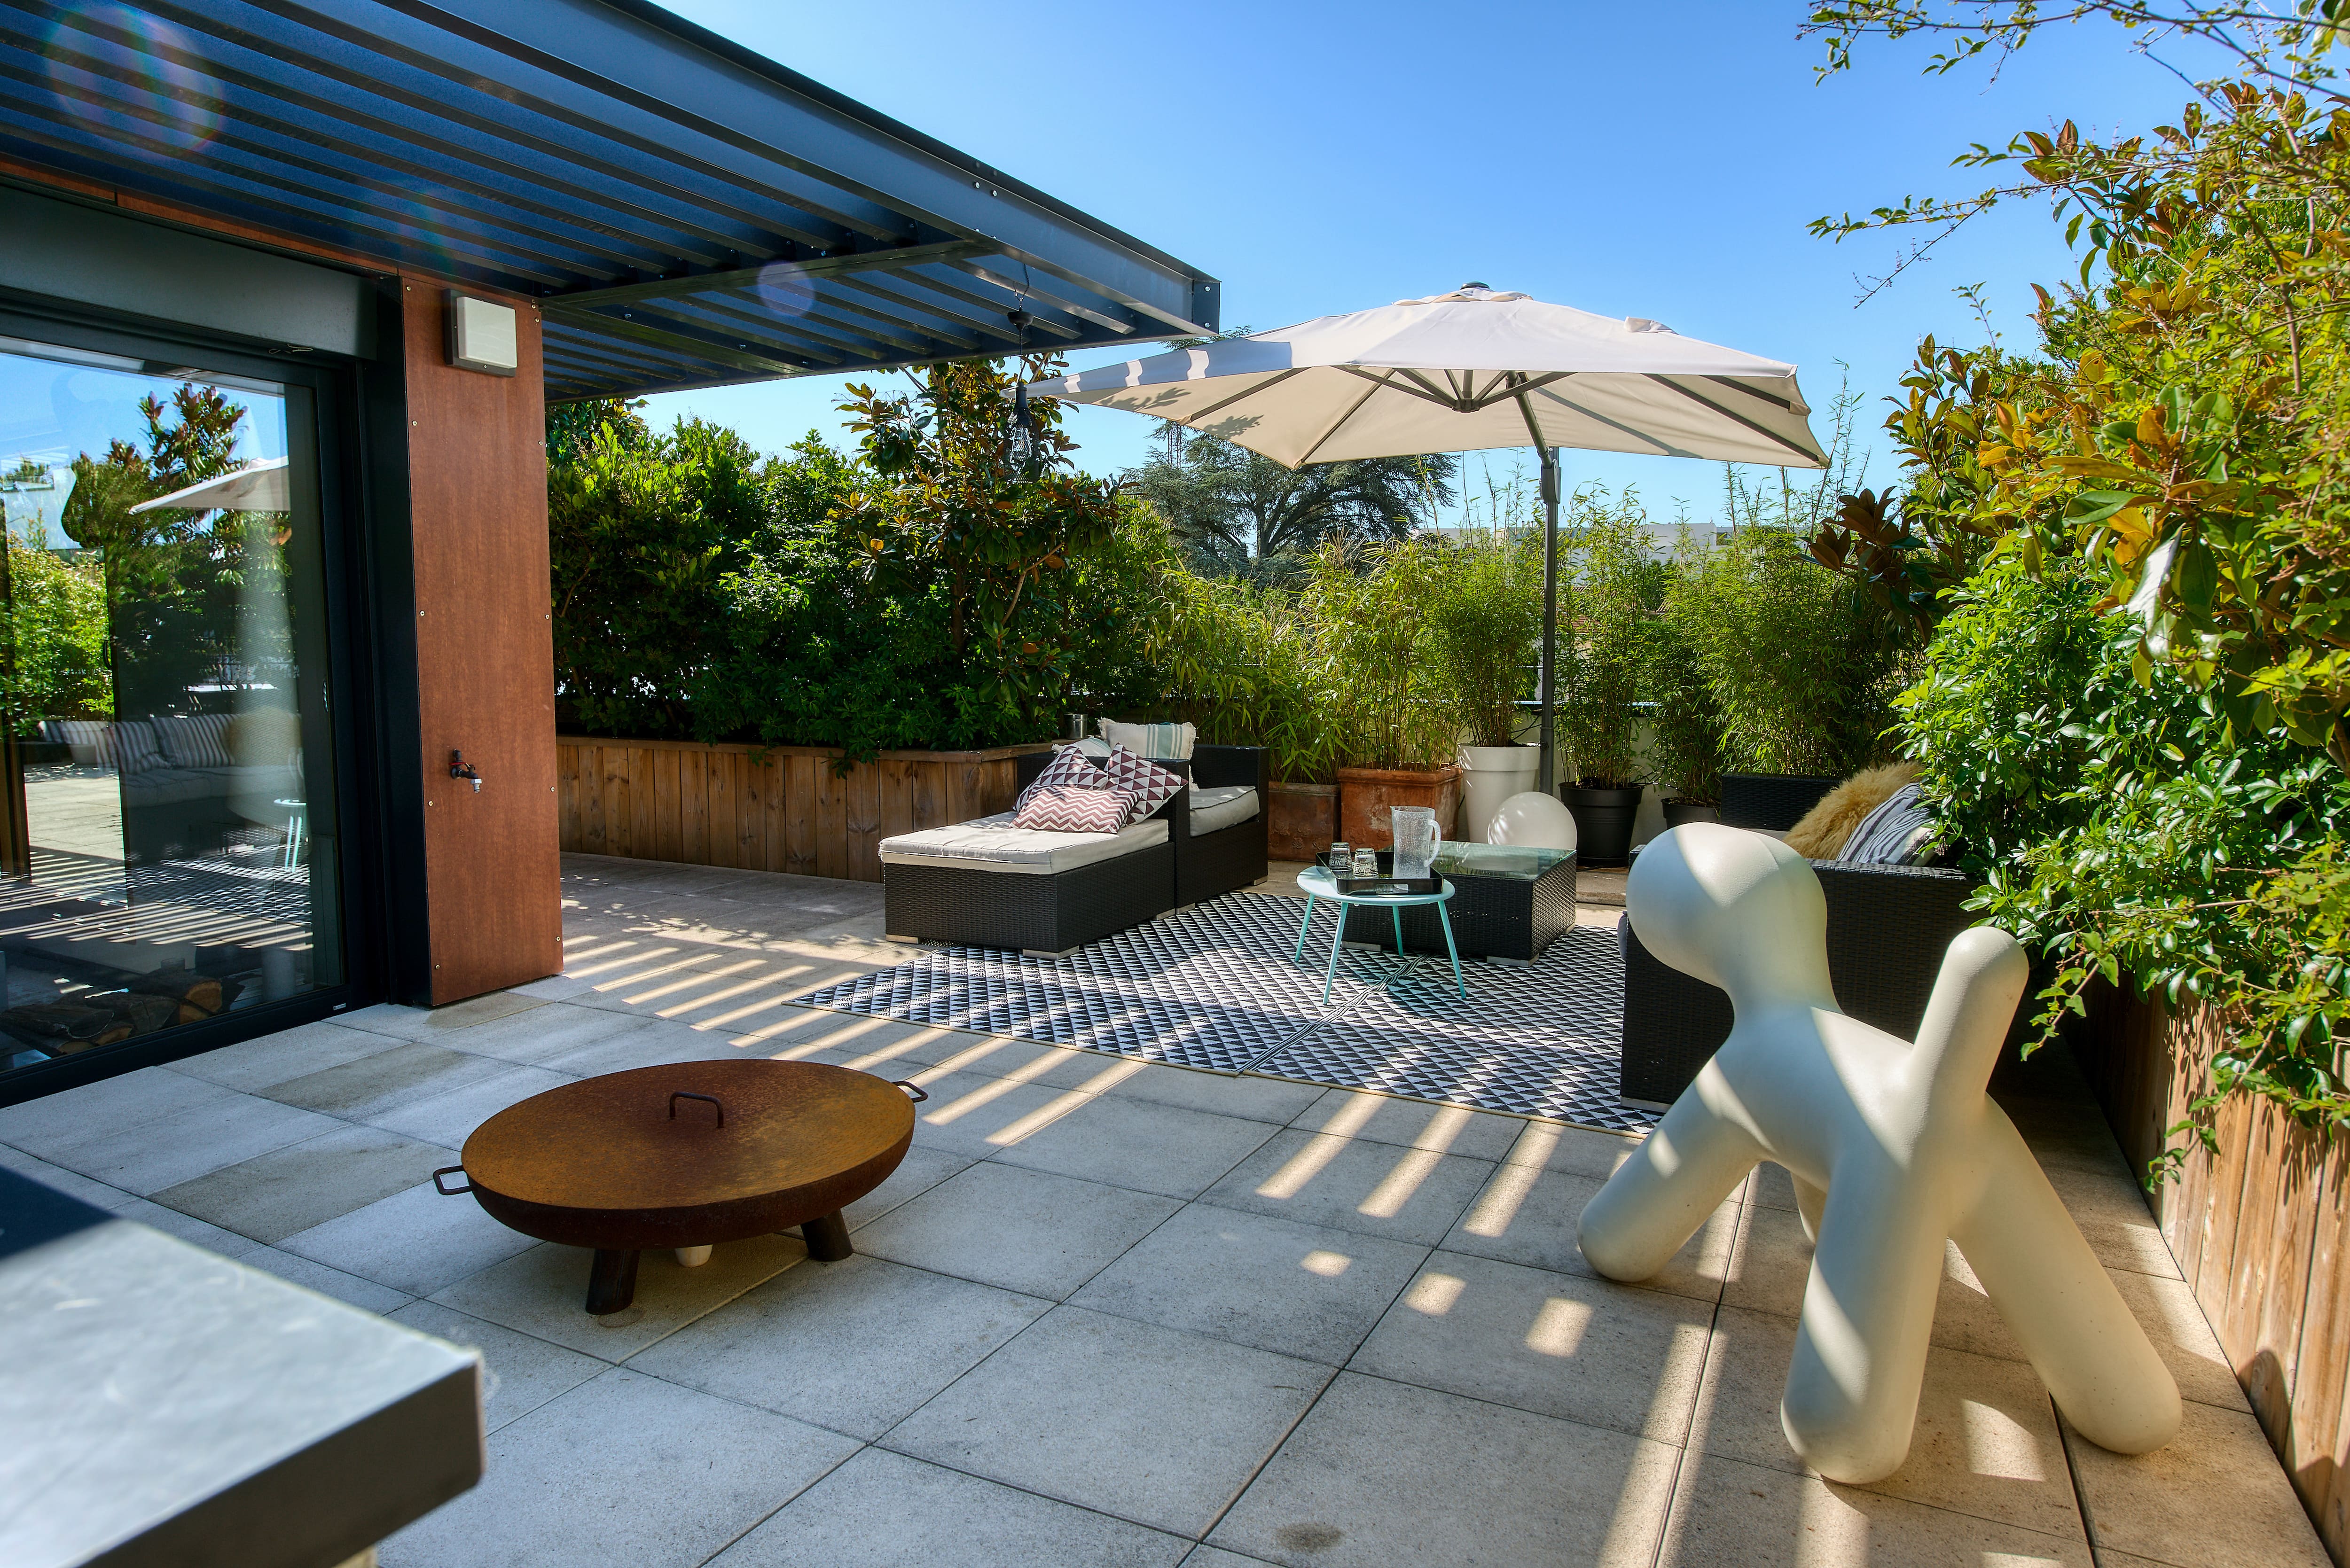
point(1153, 785)
point(1070, 769)
point(1069, 808)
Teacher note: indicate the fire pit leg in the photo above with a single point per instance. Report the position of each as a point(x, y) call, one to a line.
point(611, 1281)
point(828, 1238)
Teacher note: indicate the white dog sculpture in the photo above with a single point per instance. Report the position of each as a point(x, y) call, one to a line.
point(1893, 1148)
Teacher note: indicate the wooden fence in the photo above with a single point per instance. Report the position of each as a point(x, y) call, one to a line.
point(766, 809)
point(2261, 1229)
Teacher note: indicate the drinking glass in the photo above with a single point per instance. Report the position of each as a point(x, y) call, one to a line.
point(1341, 859)
point(1366, 861)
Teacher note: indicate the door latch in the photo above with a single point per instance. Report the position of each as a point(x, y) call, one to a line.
point(458, 768)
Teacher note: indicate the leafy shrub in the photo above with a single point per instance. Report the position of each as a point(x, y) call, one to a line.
point(1372, 637)
point(59, 625)
point(1485, 631)
point(1605, 615)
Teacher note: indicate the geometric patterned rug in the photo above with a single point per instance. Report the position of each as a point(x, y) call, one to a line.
point(1215, 987)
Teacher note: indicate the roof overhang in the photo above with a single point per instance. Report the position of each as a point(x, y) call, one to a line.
point(686, 213)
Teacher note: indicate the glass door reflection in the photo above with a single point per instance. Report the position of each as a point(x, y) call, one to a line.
point(167, 835)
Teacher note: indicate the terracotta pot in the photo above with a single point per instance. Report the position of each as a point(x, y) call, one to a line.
point(1365, 794)
point(1304, 823)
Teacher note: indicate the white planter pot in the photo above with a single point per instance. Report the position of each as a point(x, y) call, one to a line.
point(1491, 775)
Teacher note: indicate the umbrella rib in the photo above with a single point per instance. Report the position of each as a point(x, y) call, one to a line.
point(1737, 386)
point(1518, 388)
point(1385, 378)
point(1236, 397)
point(1335, 425)
point(1764, 431)
point(1664, 449)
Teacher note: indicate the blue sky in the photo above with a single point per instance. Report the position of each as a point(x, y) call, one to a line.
point(1656, 159)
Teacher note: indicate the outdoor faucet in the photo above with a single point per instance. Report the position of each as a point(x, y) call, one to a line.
point(458, 768)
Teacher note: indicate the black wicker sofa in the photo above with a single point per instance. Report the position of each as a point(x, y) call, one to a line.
point(1889, 927)
point(949, 885)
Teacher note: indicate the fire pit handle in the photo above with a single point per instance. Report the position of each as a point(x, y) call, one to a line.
point(689, 1094)
point(916, 1090)
point(450, 1191)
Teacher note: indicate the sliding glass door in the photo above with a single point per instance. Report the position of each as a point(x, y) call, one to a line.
point(168, 839)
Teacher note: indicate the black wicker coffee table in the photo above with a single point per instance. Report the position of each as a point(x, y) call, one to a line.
point(1510, 903)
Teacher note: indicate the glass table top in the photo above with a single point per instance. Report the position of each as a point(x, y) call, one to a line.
point(1510, 862)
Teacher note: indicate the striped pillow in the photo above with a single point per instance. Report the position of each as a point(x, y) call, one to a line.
point(1896, 834)
point(197, 741)
point(128, 746)
point(1170, 741)
point(1070, 808)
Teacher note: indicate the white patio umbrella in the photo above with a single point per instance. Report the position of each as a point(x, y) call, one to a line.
point(1469, 371)
point(256, 487)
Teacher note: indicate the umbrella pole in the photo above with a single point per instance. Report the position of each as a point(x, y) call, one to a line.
point(1548, 782)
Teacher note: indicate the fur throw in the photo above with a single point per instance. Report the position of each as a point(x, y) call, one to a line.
point(1826, 825)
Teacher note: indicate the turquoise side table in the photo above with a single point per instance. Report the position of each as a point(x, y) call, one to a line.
point(1319, 884)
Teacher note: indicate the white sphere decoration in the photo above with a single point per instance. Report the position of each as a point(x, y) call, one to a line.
point(1534, 820)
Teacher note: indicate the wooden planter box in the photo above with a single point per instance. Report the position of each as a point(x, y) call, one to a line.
point(2261, 1230)
point(1366, 794)
point(766, 809)
point(1304, 823)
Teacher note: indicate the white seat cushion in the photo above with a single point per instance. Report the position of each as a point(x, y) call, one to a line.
point(1222, 806)
point(999, 843)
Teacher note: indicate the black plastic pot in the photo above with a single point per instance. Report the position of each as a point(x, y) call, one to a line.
point(1679, 812)
point(1773, 802)
point(1602, 821)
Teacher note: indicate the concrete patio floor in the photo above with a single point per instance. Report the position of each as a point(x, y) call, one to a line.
point(1116, 1313)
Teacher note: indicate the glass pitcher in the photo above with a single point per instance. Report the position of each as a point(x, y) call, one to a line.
point(1416, 838)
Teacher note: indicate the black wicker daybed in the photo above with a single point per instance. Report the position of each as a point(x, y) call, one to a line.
point(988, 883)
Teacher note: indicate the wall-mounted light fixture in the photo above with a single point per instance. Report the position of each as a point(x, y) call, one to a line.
point(482, 335)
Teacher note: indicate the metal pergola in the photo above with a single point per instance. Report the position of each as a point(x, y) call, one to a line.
point(687, 213)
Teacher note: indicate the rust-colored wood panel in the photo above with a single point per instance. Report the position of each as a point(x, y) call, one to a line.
point(486, 661)
point(566, 793)
point(865, 821)
point(831, 820)
point(799, 813)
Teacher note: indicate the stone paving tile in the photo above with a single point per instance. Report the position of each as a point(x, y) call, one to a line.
point(1306, 1291)
point(543, 1291)
point(1149, 1424)
point(882, 1510)
point(381, 1080)
point(2214, 1498)
point(1277, 1100)
point(363, 1294)
point(1773, 1260)
point(1729, 1514)
point(252, 1066)
point(1024, 1231)
point(435, 1023)
point(186, 1227)
point(1136, 1144)
point(1985, 1442)
point(1380, 1190)
point(1558, 1344)
point(449, 1119)
point(1413, 1123)
point(856, 1345)
point(535, 1038)
point(272, 1196)
point(519, 1373)
point(148, 1156)
point(1528, 1214)
point(625, 1468)
point(415, 1240)
point(72, 1183)
point(921, 1170)
point(108, 1108)
point(1380, 1473)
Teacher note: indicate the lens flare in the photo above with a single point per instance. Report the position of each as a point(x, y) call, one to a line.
point(97, 50)
point(784, 288)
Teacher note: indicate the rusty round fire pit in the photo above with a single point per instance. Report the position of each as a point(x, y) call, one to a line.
point(686, 1156)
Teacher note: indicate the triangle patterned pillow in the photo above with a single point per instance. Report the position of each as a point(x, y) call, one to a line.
point(1069, 769)
point(1151, 786)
